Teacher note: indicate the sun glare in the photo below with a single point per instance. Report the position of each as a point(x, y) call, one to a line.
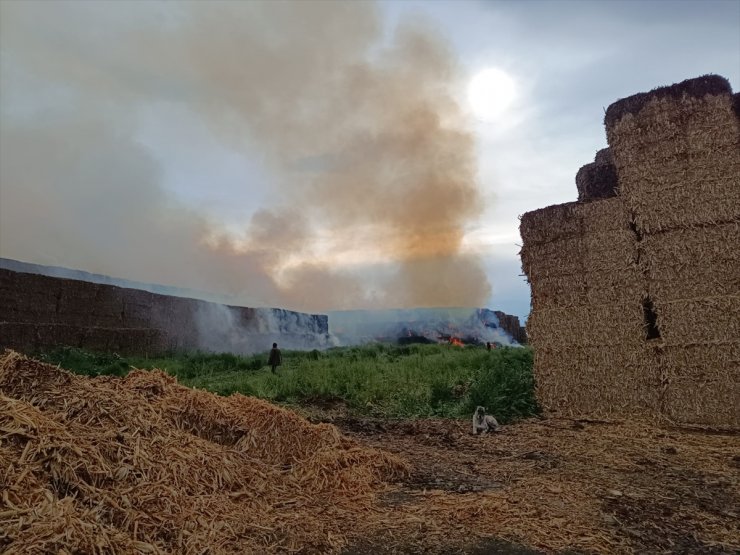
point(490, 93)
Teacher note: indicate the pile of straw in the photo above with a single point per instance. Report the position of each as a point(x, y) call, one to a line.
point(143, 464)
point(663, 267)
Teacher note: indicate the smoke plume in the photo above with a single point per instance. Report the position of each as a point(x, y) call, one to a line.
point(370, 159)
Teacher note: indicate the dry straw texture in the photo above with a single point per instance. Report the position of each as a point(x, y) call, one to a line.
point(587, 326)
point(715, 404)
point(596, 180)
point(609, 250)
point(143, 464)
point(590, 259)
point(698, 87)
point(579, 289)
point(689, 263)
point(677, 154)
point(561, 221)
point(604, 156)
point(700, 320)
point(702, 383)
point(599, 381)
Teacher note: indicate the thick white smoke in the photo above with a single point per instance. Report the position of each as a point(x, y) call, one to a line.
point(370, 160)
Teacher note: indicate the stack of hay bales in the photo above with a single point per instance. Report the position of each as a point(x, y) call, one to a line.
point(636, 287)
point(586, 324)
point(677, 154)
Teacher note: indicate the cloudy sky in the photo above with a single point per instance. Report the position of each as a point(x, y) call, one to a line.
point(319, 155)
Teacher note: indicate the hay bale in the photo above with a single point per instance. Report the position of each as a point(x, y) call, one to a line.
point(9, 298)
point(604, 156)
point(701, 383)
point(677, 154)
point(610, 250)
point(696, 88)
point(597, 265)
point(596, 181)
point(703, 362)
point(599, 382)
point(17, 335)
point(692, 263)
point(559, 291)
point(661, 257)
point(587, 288)
point(587, 326)
point(700, 320)
point(550, 224)
point(137, 308)
point(561, 221)
point(706, 403)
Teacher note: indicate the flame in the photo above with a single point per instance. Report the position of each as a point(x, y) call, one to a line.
point(456, 341)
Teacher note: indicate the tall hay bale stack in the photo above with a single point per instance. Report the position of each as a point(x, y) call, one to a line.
point(677, 154)
point(586, 323)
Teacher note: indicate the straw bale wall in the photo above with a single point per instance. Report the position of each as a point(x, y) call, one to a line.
point(636, 299)
point(687, 263)
point(598, 381)
point(587, 325)
point(700, 320)
point(38, 311)
point(701, 383)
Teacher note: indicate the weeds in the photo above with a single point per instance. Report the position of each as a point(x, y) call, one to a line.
point(380, 380)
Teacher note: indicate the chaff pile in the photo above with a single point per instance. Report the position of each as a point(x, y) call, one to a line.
point(142, 464)
point(659, 281)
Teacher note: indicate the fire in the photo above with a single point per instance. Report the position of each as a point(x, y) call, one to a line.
point(456, 341)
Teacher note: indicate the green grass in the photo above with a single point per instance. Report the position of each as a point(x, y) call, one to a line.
point(378, 380)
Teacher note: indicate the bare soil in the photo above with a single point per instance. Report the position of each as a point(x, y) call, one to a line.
point(554, 486)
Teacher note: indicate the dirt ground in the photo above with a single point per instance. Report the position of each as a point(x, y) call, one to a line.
point(553, 486)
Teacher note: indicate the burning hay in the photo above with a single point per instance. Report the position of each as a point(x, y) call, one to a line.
point(654, 274)
point(144, 464)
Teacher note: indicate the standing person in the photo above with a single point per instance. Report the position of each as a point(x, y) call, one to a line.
point(488, 345)
point(276, 359)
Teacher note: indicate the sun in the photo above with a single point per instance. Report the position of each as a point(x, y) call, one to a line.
point(490, 93)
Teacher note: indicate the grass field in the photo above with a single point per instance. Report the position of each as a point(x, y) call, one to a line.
point(378, 380)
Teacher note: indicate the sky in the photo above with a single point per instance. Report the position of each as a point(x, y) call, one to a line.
point(319, 155)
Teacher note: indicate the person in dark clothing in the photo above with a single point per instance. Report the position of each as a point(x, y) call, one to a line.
point(276, 359)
